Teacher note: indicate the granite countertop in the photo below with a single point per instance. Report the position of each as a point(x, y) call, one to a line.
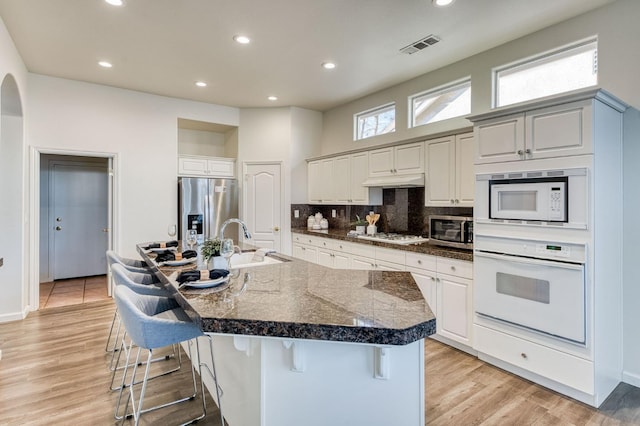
point(302, 300)
point(424, 248)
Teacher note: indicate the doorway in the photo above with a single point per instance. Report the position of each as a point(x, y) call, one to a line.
point(262, 203)
point(75, 216)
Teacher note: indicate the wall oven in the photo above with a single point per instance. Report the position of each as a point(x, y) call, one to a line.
point(539, 197)
point(532, 284)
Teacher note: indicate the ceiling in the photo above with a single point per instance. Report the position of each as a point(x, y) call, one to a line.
point(165, 46)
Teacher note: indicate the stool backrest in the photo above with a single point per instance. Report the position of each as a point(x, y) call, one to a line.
point(131, 264)
point(140, 283)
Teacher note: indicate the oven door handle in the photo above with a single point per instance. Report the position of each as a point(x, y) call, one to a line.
point(529, 260)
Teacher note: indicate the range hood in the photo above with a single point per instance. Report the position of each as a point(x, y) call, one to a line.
point(395, 181)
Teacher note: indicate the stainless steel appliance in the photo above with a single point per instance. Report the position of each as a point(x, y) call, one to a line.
point(204, 204)
point(538, 197)
point(401, 239)
point(451, 231)
point(535, 284)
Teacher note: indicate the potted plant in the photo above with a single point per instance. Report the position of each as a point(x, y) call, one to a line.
point(210, 251)
point(361, 225)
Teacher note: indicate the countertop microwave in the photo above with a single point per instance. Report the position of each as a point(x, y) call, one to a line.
point(451, 231)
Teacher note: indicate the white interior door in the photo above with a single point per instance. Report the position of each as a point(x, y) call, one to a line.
point(79, 220)
point(263, 204)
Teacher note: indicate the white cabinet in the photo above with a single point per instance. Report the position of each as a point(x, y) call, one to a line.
point(543, 132)
point(320, 181)
point(400, 160)
point(449, 170)
point(303, 248)
point(206, 166)
point(446, 285)
point(349, 171)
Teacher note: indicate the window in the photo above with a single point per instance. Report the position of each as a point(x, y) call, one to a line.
point(452, 100)
point(377, 121)
point(560, 71)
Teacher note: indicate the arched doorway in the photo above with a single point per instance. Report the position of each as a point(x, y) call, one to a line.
point(13, 230)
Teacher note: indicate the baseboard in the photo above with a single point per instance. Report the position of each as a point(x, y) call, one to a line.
point(631, 378)
point(15, 316)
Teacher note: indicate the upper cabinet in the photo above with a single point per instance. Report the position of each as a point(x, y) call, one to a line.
point(397, 160)
point(339, 180)
point(553, 131)
point(449, 171)
point(191, 165)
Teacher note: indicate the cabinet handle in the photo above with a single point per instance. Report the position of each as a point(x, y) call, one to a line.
point(433, 279)
point(419, 262)
point(523, 355)
point(453, 268)
point(527, 151)
point(451, 201)
point(520, 152)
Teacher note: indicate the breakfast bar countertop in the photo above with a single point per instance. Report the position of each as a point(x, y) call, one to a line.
point(302, 300)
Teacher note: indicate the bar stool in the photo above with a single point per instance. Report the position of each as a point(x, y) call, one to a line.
point(126, 278)
point(140, 274)
point(150, 326)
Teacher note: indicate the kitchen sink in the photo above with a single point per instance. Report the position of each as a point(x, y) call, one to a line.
point(246, 260)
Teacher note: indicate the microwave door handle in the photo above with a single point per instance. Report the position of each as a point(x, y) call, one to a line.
point(528, 261)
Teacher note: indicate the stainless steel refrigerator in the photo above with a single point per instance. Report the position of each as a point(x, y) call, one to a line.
point(204, 204)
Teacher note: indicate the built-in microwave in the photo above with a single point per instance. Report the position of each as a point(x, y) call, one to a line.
point(451, 231)
point(551, 197)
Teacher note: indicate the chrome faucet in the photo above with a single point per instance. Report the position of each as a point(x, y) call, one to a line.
point(247, 234)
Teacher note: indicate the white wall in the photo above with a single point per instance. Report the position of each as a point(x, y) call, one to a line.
point(306, 129)
point(617, 33)
point(13, 303)
point(139, 129)
point(199, 142)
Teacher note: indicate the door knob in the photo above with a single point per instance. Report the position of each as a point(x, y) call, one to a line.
point(276, 228)
point(105, 229)
point(58, 228)
point(58, 219)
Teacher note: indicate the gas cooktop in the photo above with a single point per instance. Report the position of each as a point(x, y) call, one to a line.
point(395, 238)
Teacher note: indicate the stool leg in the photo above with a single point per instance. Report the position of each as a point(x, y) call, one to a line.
point(212, 373)
point(115, 343)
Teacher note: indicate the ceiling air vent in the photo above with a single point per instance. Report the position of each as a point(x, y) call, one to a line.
point(420, 44)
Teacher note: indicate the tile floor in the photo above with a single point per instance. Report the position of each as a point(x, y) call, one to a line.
point(73, 291)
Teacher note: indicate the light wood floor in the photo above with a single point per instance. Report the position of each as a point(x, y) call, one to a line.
point(73, 291)
point(54, 371)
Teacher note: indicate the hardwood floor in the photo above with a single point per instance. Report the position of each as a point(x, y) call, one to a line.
point(54, 371)
point(73, 291)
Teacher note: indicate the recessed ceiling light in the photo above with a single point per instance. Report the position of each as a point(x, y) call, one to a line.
point(105, 64)
point(201, 84)
point(328, 65)
point(115, 2)
point(442, 3)
point(242, 39)
point(273, 98)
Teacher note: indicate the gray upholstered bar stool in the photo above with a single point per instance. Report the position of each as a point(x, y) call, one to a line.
point(140, 274)
point(150, 325)
point(131, 280)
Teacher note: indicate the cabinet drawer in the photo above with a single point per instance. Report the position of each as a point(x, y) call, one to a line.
point(550, 363)
point(421, 261)
point(391, 255)
point(458, 268)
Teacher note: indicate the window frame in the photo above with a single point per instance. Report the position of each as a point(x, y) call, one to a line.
point(435, 91)
point(370, 113)
point(547, 57)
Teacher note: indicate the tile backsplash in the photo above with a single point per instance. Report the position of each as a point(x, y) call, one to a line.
point(403, 211)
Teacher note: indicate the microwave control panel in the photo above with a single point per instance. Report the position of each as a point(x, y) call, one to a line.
point(556, 202)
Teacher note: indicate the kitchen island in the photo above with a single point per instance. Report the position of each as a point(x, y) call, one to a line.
point(297, 343)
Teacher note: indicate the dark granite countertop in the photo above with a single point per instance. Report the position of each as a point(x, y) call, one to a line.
point(424, 248)
point(302, 300)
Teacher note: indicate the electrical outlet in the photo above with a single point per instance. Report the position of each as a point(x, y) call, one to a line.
point(371, 212)
point(333, 213)
point(296, 213)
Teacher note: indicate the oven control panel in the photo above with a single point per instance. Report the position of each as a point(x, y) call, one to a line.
point(553, 250)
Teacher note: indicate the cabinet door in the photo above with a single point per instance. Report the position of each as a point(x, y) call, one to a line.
point(311, 254)
point(465, 175)
point(559, 130)
point(381, 162)
point(314, 182)
point(341, 260)
point(500, 139)
point(325, 258)
point(409, 158)
point(326, 181)
point(426, 281)
point(359, 165)
point(192, 166)
point(221, 168)
point(440, 171)
point(340, 178)
point(298, 251)
point(454, 305)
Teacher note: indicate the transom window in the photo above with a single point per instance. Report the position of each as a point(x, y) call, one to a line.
point(559, 71)
point(376, 121)
point(441, 103)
